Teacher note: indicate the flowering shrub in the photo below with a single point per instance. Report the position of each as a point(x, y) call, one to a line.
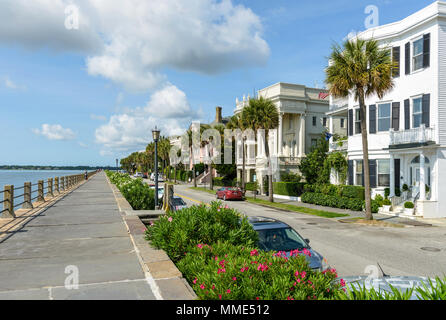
point(135, 191)
point(236, 272)
point(178, 232)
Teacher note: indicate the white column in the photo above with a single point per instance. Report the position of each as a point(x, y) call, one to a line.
point(331, 128)
point(422, 177)
point(392, 176)
point(280, 135)
point(302, 136)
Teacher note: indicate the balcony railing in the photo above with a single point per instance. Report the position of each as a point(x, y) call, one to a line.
point(416, 135)
point(289, 161)
point(338, 146)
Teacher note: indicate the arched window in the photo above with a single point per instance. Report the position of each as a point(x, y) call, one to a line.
point(416, 160)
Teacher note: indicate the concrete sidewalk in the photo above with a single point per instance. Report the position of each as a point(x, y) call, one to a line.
point(83, 232)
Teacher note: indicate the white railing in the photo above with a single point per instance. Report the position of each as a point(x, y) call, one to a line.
point(416, 135)
point(338, 146)
point(289, 161)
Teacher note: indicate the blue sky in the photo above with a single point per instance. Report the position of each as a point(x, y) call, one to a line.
point(92, 116)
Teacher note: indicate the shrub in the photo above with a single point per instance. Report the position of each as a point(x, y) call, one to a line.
point(218, 182)
point(135, 191)
point(374, 206)
point(386, 192)
point(409, 205)
point(398, 192)
point(231, 272)
point(333, 201)
point(292, 189)
point(186, 228)
point(386, 202)
point(405, 187)
point(379, 200)
point(252, 186)
point(354, 192)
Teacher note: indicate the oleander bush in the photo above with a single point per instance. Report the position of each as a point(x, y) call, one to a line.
point(237, 272)
point(178, 233)
point(135, 191)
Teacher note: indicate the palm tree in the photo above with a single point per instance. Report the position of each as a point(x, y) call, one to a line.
point(363, 69)
point(262, 113)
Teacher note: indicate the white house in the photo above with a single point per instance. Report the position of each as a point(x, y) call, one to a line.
point(407, 128)
point(302, 119)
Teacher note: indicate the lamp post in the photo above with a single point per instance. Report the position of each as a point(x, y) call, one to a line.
point(117, 168)
point(156, 135)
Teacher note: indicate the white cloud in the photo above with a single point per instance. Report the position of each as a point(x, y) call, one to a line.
point(131, 42)
point(167, 109)
point(55, 132)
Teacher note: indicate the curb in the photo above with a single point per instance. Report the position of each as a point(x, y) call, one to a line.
point(166, 281)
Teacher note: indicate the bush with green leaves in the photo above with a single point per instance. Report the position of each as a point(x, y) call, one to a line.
point(409, 205)
point(387, 202)
point(180, 231)
point(332, 201)
point(352, 192)
point(135, 191)
point(238, 272)
point(379, 200)
point(292, 189)
point(252, 186)
point(290, 177)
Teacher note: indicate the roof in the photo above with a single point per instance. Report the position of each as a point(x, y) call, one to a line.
point(263, 223)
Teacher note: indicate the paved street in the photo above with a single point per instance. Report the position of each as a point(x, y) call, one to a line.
point(351, 248)
point(84, 230)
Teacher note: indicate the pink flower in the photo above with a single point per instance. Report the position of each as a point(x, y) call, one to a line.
point(222, 263)
point(228, 291)
point(262, 267)
point(342, 282)
point(296, 273)
point(202, 286)
point(309, 282)
point(307, 252)
point(234, 279)
point(170, 219)
point(226, 207)
point(213, 286)
point(200, 246)
point(195, 281)
point(216, 258)
point(254, 253)
point(257, 298)
point(221, 271)
point(303, 274)
point(219, 296)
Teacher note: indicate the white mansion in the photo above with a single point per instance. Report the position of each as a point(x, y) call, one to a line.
point(302, 120)
point(407, 128)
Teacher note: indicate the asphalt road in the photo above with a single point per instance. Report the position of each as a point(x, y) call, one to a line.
point(352, 248)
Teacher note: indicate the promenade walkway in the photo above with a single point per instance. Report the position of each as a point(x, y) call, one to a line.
point(83, 232)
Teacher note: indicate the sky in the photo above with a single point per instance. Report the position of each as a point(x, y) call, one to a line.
point(84, 82)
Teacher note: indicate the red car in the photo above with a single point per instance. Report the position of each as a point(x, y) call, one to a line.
point(229, 193)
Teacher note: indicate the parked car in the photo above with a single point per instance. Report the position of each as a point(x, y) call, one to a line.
point(229, 193)
point(177, 203)
point(275, 235)
point(160, 191)
point(160, 177)
point(138, 175)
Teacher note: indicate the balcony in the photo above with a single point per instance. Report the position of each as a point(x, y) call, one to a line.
point(341, 145)
point(289, 161)
point(419, 135)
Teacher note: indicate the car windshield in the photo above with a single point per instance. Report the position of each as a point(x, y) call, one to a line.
point(283, 239)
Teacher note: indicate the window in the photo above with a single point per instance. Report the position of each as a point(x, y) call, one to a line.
point(383, 173)
point(417, 112)
point(313, 142)
point(357, 121)
point(342, 123)
point(314, 121)
point(359, 181)
point(324, 122)
point(384, 117)
point(417, 54)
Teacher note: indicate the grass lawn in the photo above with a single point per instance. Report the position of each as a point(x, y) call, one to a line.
point(203, 189)
point(290, 207)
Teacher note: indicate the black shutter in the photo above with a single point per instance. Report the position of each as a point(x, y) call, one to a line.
point(397, 168)
point(372, 168)
point(396, 116)
point(372, 118)
point(426, 50)
point(426, 110)
point(407, 57)
point(396, 54)
point(407, 114)
point(350, 172)
point(350, 122)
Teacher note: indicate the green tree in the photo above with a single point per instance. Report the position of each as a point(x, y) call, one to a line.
point(262, 113)
point(361, 68)
point(313, 166)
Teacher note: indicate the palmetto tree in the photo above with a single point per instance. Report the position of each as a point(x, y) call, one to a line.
point(262, 113)
point(361, 68)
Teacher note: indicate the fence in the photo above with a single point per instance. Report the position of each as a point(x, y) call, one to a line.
point(36, 192)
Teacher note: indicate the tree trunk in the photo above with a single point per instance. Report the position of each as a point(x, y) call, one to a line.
point(365, 152)
point(211, 184)
point(270, 175)
point(243, 166)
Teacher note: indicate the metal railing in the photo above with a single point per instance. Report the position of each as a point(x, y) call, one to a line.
point(35, 193)
point(415, 135)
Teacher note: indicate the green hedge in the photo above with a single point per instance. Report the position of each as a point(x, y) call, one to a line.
point(252, 186)
point(352, 192)
point(292, 189)
point(337, 201)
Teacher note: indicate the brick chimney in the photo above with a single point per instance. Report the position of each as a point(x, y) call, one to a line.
point(218, 117)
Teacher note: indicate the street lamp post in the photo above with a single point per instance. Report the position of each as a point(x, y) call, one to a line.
point(117, 167)
point(156, 135)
